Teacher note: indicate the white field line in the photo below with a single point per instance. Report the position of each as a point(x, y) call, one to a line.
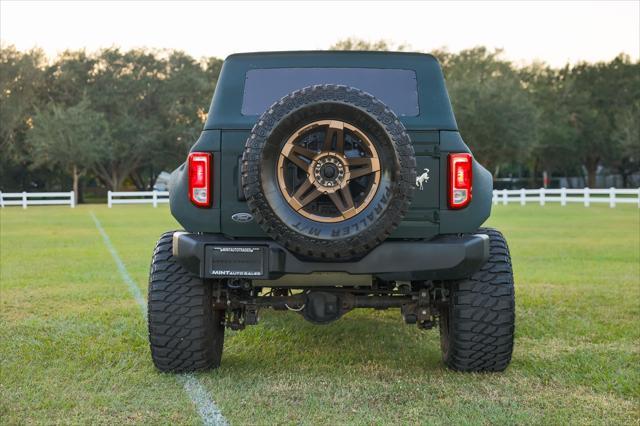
point(207, 408)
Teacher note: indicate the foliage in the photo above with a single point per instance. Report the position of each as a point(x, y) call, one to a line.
point(67, 138)
point(494, 112)
point(21, 84)
point(626, 138)
point(517, 120)
point(154, 103)
point(353, 43)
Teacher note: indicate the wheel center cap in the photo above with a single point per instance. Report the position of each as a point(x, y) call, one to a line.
point(329, 171)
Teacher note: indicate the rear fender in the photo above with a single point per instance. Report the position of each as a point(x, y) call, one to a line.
point(470, 218)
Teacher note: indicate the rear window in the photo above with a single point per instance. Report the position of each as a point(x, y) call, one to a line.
point(397, 88)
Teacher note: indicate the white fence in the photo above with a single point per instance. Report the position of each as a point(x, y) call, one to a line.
point(25, 199)
point(137, 197)
point(586, 196)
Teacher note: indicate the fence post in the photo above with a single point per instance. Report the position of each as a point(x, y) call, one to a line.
point(542, 196)
point(586, 197)
point(563, 196)
point(612, 197)
point(523, 197)
point(1, 200)
point(505, 200)
point(109, 199)
point(72, 199)
point(495, 197)
point(24, 200)
point(155, 198)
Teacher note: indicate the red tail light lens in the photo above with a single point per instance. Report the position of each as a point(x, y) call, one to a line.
point(200, 178)
point(460, 180)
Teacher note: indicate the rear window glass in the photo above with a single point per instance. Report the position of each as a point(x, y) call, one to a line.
point(397, 88)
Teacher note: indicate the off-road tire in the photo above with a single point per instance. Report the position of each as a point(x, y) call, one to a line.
point(477, 324)
point(358, 235)
point(185, 332)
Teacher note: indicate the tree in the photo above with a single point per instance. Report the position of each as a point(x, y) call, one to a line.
point(596, 97)
point(21, 80)
point(626, 138)
point(126, 90)
point(21, 89)
point(67, 138)
point(577, 118)
point(183, 99)
point(353, 43)
point(553, 148)
point(154, 101)
point(69, 77)
point(493, 110)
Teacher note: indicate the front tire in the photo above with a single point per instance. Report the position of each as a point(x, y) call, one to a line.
point(185, 332)
point(477, 323)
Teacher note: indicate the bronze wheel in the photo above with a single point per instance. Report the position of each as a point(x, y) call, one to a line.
point(328, 171)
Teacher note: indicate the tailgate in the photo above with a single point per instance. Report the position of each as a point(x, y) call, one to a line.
point(421, 220)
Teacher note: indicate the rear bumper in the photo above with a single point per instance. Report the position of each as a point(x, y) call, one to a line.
point(442, 258)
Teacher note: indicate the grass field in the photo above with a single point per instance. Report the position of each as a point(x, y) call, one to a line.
point(73, 344)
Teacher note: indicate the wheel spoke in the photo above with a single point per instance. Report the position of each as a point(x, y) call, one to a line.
point(344, 202)
point(294, 152)
point(362, 166)
point(340, 140)
point(300, 150)
point(305, 194)
point(337, 128)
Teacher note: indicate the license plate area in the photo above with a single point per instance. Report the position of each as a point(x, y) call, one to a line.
point(235, 261)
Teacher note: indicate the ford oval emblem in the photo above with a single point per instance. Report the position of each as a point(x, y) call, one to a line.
point(242, 217)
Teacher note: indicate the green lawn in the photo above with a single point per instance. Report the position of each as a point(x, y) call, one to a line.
point(73, 345)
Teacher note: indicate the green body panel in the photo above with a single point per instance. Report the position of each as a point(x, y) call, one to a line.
point(232, 198)
point(433, 132)
point(477, 212)
point(421, 220)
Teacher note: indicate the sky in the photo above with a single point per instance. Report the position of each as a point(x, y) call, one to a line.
point(552, 32)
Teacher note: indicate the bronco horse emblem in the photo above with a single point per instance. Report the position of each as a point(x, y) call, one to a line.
point(423, 178)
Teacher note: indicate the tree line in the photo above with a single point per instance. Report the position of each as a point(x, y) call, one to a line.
point(110, 117)
point(117, 118)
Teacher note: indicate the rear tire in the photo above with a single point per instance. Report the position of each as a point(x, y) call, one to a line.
point(477, 324)
point(185, 332)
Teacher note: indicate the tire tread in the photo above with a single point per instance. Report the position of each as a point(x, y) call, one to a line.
point(185, 333)
point(481, 313)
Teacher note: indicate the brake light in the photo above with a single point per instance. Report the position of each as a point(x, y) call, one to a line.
point(200, 178)
point(460, 180)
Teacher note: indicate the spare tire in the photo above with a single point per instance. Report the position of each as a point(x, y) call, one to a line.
point(328, 171)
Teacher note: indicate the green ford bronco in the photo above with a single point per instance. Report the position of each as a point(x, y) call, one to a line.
point(324, 182)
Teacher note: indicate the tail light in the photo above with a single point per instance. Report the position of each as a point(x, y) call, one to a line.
point(460, 180)
point(200, 178)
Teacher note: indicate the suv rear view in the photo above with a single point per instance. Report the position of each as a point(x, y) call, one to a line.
point(324, 182)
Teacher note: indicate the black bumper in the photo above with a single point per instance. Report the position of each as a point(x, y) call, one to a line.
point(444, 257)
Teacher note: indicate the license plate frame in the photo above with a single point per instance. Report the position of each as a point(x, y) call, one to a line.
point(225, 261)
